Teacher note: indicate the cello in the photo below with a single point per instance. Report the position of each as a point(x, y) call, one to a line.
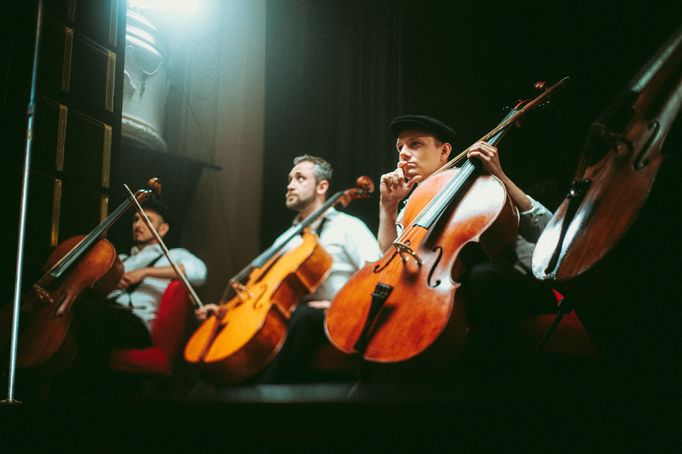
point(595, 216)
point(407, 303)
point(249, 331)
point(610, 245)
point(83, 262)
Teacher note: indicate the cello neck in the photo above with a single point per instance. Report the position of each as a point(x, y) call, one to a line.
point(432, 211)
point(95, 235)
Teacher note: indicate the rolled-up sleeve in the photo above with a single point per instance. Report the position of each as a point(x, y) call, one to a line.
point(534, 221)
point(195, 268)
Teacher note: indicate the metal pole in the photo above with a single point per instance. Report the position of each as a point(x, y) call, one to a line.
point(22, 212)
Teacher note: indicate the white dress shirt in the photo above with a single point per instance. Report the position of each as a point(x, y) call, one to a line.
point(144, 300)
point(349, 242)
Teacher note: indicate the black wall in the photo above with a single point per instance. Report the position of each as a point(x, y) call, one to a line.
point(462, 62)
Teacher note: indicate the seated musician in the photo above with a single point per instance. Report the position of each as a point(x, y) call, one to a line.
point(498, 293)
point(350, 244)
point(124, 319)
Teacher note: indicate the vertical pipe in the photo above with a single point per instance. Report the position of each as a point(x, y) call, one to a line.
point(22, 214)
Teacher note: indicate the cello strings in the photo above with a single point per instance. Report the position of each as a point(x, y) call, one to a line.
point(437, 204)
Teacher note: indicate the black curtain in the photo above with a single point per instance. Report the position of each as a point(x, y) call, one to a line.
point(333, 83)
point(337, 72)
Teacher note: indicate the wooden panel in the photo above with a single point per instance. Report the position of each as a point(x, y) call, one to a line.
point(80, 210)
point(73, 144)
point(92, 77)
point(40, 235)
point(98, 20)
point(56, 216)
point(61, 10)
point(87, 151)
point(61, 210)
point(55, 59)
point(46, 133)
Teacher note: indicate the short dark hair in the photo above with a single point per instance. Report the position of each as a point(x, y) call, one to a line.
point(159, 208)
point(321, 168)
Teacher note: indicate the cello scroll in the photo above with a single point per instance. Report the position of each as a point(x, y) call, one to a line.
point(364, 186)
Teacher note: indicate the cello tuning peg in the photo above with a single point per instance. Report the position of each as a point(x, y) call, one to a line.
point(155, 185)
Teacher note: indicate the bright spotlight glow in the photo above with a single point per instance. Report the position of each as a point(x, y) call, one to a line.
point(175, 6)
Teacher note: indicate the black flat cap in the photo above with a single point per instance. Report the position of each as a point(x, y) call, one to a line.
point(440, 130)
point(159, 208)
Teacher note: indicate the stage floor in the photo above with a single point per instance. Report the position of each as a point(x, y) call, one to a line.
point(343, 417)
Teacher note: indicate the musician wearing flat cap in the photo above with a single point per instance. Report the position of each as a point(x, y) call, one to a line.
point(498, 293)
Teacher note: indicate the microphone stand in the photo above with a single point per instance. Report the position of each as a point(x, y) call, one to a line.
point(22, 212)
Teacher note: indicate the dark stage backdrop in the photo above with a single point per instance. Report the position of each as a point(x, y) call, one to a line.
point(333, 82)
point(338, 71)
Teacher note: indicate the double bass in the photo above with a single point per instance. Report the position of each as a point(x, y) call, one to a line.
point(251, 327)
point(85, 262)
point(407, 304)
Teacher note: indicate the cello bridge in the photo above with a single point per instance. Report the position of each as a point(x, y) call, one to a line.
point(242, 291)
point(42, 295)
point(406, 252)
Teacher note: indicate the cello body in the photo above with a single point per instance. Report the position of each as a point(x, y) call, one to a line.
point(234, 346)
point(610, 190)
point(613, 244)
point(249, 331)
point(397, 308)
point(46, 341)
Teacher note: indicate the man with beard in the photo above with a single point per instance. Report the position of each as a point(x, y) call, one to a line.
point(124, 319)
point(147, 270)
point(350, 244)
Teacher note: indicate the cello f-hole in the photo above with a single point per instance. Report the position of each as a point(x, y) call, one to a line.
point(381, 266)
point(642, 160)
point(439, 252)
